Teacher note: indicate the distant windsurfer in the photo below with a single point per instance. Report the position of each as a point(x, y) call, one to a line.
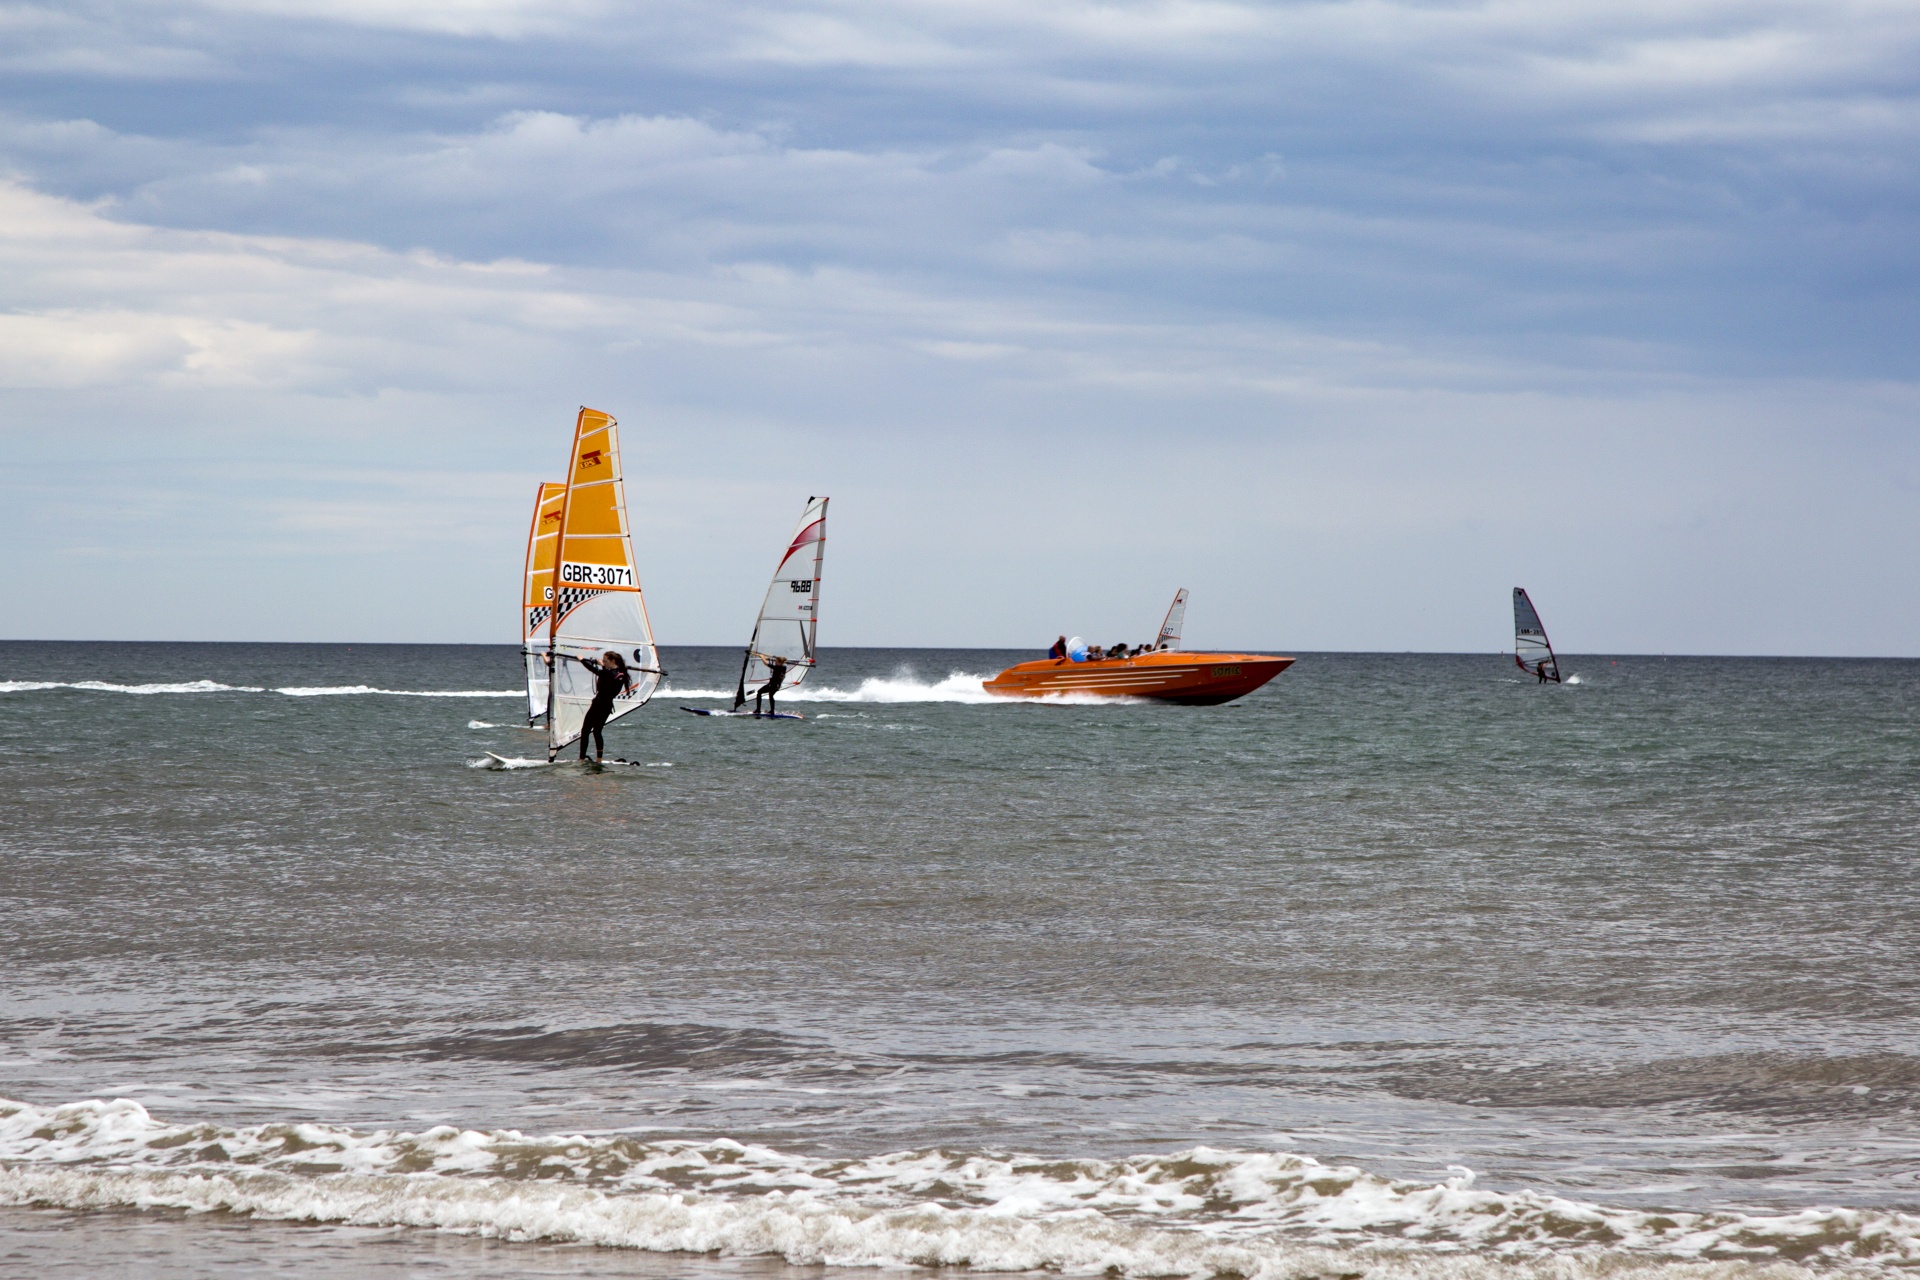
point(1540, 669)
point(610, 679)
point(776, 676)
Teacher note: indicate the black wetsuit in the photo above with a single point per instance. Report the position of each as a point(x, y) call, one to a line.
point(609, 682)
point(776, 676)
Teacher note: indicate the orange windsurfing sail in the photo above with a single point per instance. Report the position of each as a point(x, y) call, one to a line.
point(597, 605)
point(536, 593)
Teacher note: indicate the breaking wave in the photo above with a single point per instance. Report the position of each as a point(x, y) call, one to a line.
point(341, 690)
point(214, 686)
point(1200, 1213)
point(102, 686)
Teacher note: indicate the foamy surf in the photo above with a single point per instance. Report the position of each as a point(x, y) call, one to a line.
point(1200, 1213)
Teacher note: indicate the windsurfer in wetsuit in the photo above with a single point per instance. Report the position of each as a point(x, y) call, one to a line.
point(776, 676)
point(1541, 671)
point(610, 680)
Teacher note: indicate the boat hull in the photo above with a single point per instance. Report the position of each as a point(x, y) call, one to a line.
point(1192, 679)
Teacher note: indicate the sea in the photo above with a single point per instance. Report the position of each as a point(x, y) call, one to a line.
point(1404, 966)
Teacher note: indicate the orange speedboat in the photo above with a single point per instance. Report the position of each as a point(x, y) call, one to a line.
point(1197, 679)
point(1164, 672)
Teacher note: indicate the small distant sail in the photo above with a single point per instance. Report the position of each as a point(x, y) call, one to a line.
point(597, 603)
point(536, 593)
point(1530, 647)
point(790, 615)
point(1176, 619)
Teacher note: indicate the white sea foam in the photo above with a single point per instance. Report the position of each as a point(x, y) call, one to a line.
point(1201, 1213)
point(342, 690)
point(481, 724)
point(903, 687)
point(214, 686)
point(188, 686)
point(507, 762)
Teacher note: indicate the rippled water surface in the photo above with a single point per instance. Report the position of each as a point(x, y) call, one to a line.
point(1645, 944)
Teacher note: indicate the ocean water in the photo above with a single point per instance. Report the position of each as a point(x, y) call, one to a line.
point(1403, 965)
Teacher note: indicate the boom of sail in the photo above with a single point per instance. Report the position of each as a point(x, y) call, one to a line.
point(536, 593)
point(597, 605)
point(1530, 646)
point(1169, 637)
point(789, 616)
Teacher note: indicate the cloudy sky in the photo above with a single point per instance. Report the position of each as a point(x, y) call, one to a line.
point(1347, 316)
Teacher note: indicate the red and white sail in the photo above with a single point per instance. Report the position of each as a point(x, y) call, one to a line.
point(1531, 649)
point(790, 614)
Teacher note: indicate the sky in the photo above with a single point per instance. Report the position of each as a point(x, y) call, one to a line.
point(1348, 317)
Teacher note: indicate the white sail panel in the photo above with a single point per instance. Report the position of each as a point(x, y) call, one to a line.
point(536, 593)
point(1169, 637)
point(598, 605)
point(1531, 649)
point(790, 615)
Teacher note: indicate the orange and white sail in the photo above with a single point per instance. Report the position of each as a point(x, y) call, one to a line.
point(597, 603)
point(789, 618)
point(536, 593)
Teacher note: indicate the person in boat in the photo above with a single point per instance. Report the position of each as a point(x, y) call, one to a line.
point(776, 676)
point(610, 679)
point(1118, 651)
point(1059, 649)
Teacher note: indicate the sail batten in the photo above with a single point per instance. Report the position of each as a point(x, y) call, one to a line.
point(1531, 649)
point(595, 586)
point(789, 618)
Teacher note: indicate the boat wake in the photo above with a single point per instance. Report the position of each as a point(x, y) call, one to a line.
point(904, 687)
point(1199, 1213)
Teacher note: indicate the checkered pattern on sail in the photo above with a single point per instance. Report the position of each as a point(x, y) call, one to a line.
point(537, 618)
point(572, 597)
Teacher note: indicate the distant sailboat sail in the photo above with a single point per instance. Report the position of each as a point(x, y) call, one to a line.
point(536, 594)
point(789, 616)
point(1176, 619)
point(597, 603)
point(1530, 647)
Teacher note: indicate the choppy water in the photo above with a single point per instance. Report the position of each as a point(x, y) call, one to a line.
point(1403, 964)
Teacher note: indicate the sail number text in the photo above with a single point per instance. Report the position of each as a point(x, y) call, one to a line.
point(800, 586)
point(596, 575)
